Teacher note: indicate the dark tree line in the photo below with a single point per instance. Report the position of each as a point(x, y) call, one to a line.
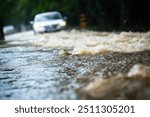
point(100, 14)
point(6, 10)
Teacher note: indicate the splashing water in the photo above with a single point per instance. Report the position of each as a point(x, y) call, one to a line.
point(89, 42)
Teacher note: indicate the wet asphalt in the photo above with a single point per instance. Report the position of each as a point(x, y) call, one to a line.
point(30, 72)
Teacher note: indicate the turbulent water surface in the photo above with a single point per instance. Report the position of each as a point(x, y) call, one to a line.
point(57, 65)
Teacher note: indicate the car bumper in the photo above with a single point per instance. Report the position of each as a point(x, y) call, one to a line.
point(49, 28)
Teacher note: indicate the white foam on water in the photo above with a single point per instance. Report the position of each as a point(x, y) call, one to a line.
point(124, 42)
point(90, 42)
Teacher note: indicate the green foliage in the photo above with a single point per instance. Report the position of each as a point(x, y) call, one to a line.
point(100, 13)
point(6, 7)
point(27, 9)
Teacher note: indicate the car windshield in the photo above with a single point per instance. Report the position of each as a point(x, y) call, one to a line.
point(47, 17)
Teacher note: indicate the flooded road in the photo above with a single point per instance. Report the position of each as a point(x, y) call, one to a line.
point(56, 65)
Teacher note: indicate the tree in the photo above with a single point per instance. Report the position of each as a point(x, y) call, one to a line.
point(6, 9)
point(1, 30)
point(31, 7)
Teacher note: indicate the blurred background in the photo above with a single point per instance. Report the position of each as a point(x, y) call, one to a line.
point(103, 15)
point(103, 39)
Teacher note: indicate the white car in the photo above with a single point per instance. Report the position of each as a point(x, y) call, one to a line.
point(47, 22)
point(9, 29)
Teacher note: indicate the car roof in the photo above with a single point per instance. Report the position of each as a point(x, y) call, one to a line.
point(47, 13)
point(8, 26)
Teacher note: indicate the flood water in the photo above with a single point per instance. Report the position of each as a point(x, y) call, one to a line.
point(56, 65)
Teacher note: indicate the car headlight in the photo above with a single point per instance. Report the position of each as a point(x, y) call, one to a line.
point(63, 23)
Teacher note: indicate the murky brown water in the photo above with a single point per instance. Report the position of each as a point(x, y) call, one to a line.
point(35, 67)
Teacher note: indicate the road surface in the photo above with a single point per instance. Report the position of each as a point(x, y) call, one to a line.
point(56, 65)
